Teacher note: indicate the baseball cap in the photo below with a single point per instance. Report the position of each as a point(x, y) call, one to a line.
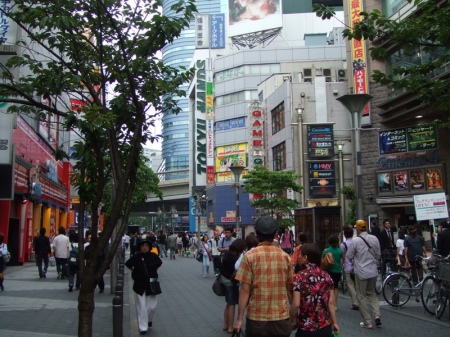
point(266, 225)
point(361, 225)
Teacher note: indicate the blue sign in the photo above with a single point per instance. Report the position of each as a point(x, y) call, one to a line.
point(217, 31)
point(230, 124)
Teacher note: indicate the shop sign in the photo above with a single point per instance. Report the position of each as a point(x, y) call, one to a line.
point(320, 140)
point(322, 178)
point(430, 206)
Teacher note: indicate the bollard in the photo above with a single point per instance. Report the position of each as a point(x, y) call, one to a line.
point(119, 289)
point(120, 278)
point(117, 317)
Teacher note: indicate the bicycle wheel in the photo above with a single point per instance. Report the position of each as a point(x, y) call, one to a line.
point(397, 290)
point(428, 293)
point(379, 282)
point(441, 301)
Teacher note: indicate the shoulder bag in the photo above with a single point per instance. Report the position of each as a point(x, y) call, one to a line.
point(371, 251)
point(155, 287)
point(327, 261)
point(217, 287)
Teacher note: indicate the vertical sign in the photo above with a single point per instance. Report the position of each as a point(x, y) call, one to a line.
point(200, 140)
point(8, 28)
point(217, 31)
point(320, 140)
point(256, 139)
point(322, 180)
point(6, 127)
point(359, 58)
point(202, 31)
point(210, 179)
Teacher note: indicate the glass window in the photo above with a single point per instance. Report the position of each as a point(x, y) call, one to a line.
point(279, 157)
point(278, 123)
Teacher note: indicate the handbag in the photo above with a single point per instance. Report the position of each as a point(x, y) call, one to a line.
point(199, 257)
point(7, 256)
point(155, 287)
point(217, 287)
point(239, 333)
point(51, 261)
point(327, 261)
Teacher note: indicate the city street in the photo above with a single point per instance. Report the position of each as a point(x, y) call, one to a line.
point(30, 306)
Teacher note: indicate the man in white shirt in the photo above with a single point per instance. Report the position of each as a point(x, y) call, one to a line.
point(61, 248)
point(365, 252)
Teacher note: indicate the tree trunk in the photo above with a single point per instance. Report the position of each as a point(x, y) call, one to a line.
point(86, 303)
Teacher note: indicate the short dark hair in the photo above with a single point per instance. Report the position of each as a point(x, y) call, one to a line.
point(62, 230)
point(228, 229)
point(401, 234)
point(348, 232)
point(312, 252)
point(302, 237)
point(42, 231)
point(333, 240)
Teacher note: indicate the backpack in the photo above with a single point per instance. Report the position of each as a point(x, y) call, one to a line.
point(154, 249)
point(7, 256)
point(74, 260)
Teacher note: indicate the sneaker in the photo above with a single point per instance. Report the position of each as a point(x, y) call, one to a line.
point(70, 288)
point(2, 288)
point(150, 324)
point(377, 320)
point(365, 326)
point(59, 276)
point(143, 332)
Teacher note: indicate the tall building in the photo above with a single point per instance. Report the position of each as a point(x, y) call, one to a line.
point(175, 128)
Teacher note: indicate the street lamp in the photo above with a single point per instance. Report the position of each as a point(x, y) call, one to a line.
point(237, 170)
point(300, 108)
point(355, 103)
point(340, 146)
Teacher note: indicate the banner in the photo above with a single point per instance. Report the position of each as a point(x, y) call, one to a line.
point(430, 206)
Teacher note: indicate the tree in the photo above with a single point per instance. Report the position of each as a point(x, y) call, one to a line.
point(104, 54)
point(272, 187)
point(425, 32)
point(349, 194)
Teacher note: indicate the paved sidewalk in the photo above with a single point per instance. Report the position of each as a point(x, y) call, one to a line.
point(30, 306)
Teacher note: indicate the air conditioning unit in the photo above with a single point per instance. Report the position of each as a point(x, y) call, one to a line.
point(342, 75)
point(327, 72)
point(307, 75)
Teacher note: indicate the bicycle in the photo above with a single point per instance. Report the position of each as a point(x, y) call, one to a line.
point(443, 294)
point(398, 287)
point(388, 260)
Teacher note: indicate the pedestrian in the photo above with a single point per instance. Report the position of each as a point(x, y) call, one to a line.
point(302, 238)
point(100, 282)
point(185, 240)
point(335, 270)
point(3, 252)
point(61, 252)
point(215, 252)
point(42, 250)
point(365, 252)
point(180, 244)
point(227, 271)
point(400, 244)
point(134, 241)
point(287, 241)
point(172, 245)
point(251, 241)
point(313, 305)
point(205, 248)
point(73, 266)
point(226, 241)
point(144, 266)
point(443, 238)
point(349, 275)
point(162, 242)
point(126, 240)
point(415, 247)
point(266, 280)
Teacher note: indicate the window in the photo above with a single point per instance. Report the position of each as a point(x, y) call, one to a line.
point(278, 118)
point(279, 157)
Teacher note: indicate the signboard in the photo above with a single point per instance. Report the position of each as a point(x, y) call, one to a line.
point(322, 179)
point(227, 156)
point(202, 31)
point(256, 137)
point(422, 137)
point(217, 31)
point(392, 141)
point(430, 206)
point(320, 140)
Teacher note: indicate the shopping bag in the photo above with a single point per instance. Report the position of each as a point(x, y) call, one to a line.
point(51, 261)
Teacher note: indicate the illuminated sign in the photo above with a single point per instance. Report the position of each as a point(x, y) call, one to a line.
point(320, 140)
point(322, 179)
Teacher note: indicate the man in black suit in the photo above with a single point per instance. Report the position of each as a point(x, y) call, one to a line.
point(42, 248)
point(443, 239)
point(387, 243)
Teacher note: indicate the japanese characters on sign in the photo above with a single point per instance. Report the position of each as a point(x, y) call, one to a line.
point(392, 141)
point(322, 179)
point(217, 31)
point(430, 206)
point(422, 137)
point(320, 140)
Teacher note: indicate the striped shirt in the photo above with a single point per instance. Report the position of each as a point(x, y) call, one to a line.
point(268, 270)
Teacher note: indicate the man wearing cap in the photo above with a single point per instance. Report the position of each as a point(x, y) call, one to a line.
point(266, 280)
point(365, 252)
point(443, 239)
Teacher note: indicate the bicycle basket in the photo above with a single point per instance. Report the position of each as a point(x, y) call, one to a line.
point(433, 260)
point(443, 271)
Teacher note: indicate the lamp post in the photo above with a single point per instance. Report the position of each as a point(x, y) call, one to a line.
point(237, 170)
point(341, 181)
point(300, 110)
point(355, 103)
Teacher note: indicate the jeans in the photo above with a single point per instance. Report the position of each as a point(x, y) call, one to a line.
point(162, 248)
point(205, 265)
point(216, 263)
point(172, 252)
point(61, 266)
point(73, 271)
point(39, 260)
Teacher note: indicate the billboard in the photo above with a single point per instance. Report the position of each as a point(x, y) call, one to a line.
point(430, 206)
point(227, 156)
point(248, 16)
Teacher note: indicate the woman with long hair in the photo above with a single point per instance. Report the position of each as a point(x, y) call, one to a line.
point(205, 247)
point(3, 252)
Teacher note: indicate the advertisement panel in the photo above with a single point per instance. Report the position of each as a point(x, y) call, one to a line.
point(253, 16)
point(227, 156)
point(430, 206)
point(422, 137)
point(320, 140)
point(392, 141)
point(217, 31)
point(322, 179)
point(359, 58)
point(202, 31)
point(6, 133)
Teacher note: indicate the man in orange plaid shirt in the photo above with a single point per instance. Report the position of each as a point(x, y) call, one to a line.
point(265, 273)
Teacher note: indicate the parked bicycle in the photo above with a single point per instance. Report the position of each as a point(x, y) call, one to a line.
point(443, 294)
point(398, 287)
point(388, 261)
